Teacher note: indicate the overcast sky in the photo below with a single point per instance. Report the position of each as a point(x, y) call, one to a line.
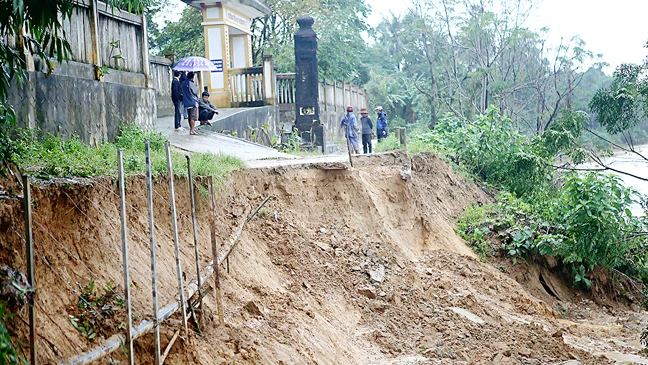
point(615, 28)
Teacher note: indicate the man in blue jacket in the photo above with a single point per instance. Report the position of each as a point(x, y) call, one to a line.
point(382, 126)
point(351, 129)
point(190, 99)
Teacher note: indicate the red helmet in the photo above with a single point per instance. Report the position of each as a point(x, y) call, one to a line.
point(349, 108)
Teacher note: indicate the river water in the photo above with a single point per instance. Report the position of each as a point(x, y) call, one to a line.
point(633, 164)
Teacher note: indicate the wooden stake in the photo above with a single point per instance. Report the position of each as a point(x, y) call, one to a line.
point(169, 346)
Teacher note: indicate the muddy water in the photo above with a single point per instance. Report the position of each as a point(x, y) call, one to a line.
point(632, 164)
point(624, 358)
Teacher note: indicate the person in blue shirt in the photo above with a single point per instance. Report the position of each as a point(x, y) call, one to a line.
point(190, 100)
point(382, 125)
point(351, 129)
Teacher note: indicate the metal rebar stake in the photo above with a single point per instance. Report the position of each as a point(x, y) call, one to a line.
point(176, 244)
point(212, 229)
point(149, 183)
point(30, 269)
point(195, 231)
point(124, 231)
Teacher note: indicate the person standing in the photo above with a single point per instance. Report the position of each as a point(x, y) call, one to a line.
point(190, 99)
point(350, 125)
point(367, 130)
point(183, 77)
point(176, 97)
point(382, 125)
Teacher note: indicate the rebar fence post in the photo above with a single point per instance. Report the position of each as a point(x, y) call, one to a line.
point(212, 229)
point(149, 183)
point(195, 232)
point(176, 244)
point(30, 269)
point(124, 232)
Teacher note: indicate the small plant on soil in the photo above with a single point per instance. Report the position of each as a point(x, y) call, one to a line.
point(97, 314)
point(291, 144)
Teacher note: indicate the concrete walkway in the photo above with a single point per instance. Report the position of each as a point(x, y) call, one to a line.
point(254, 155)
point(210, 142)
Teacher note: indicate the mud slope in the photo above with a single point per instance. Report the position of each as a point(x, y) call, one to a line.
point(342, 266)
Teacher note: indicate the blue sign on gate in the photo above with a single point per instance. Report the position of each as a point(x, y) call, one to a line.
point(218, 64)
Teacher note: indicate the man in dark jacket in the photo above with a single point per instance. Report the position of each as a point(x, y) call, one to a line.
point(382, 126)
point(176, 97)
point(190, 100)
point(183, 77)
point(367, 130)
point(206, 109)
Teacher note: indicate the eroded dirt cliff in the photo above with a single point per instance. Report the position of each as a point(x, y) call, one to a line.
point(341, 266)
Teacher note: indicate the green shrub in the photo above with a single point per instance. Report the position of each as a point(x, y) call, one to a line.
point(492, 149)
point(8, 352)
point(586, 224)
point(599, 229)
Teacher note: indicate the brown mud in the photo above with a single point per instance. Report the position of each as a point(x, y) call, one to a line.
point(341, 266)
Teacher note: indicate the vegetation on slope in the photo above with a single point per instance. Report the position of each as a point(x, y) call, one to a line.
point(584, 220)
point(49, 156)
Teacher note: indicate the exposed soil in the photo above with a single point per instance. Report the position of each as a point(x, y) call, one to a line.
point(341, 266)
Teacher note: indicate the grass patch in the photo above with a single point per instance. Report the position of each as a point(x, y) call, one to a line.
point(303, 153)
point(388, 144)
point(50, 157)
point(415, 144)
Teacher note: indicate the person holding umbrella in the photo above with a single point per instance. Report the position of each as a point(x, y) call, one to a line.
point(190, 90)
point(190, 99)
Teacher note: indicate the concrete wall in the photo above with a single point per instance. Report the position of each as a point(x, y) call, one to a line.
point(161, 77)
point(334, 98)
point(333, 101)
point(254, 117)
point(70, 102)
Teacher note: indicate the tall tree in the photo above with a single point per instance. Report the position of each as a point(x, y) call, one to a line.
point(338, 23)
point(155, 8)
point(465, 55)
point(184, 37)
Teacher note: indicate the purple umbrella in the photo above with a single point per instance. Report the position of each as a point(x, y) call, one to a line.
point(194, 64)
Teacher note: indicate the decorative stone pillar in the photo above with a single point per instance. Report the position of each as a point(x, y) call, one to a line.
point(306, 83)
